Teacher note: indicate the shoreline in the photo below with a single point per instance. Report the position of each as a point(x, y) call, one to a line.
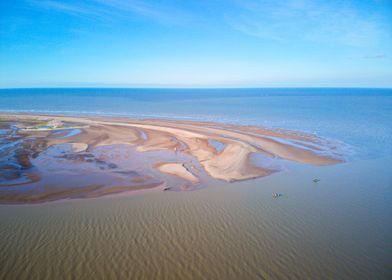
point(120, 154)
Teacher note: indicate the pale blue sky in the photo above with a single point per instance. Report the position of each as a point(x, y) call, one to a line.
point(215, 43)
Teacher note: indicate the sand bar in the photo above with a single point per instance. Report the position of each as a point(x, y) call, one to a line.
point(177, 169)
point(102, 155)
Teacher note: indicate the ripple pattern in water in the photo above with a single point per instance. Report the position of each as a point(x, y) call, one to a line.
point(235, 231)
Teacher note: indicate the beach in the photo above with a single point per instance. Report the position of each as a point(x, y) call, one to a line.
point(86, 157)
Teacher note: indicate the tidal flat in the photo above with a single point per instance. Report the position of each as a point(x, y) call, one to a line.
point(46, 158)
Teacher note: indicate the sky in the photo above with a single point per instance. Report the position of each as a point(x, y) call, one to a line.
point(195, 43)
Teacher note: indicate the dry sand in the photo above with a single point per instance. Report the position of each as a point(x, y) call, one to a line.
point(177, 169)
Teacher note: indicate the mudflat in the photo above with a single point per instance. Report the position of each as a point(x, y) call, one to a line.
point(47, 157)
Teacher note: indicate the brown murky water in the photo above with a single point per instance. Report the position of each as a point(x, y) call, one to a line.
point(338, 228)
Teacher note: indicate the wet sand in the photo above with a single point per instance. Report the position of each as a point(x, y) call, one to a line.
point(47, 158)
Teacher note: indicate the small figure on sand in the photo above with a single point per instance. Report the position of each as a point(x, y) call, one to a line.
point(276, 195)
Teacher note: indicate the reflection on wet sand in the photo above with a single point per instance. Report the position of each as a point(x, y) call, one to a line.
point(45, 158)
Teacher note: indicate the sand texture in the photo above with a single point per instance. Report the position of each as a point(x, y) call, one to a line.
point(47, 158)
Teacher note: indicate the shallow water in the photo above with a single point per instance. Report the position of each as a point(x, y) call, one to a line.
point(218, 146)
point(338, 228)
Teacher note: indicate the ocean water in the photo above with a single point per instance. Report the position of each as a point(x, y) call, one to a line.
point(339, 228)
point(360, 117)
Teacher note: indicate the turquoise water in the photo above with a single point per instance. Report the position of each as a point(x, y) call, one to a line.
point(338, 228)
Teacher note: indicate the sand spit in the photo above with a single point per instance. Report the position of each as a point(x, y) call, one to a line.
point(177, 169)
point(106, 155)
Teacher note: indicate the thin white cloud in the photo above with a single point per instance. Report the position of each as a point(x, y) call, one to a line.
point(375, 56)
point(316, 21)
point(67, 7)
point(113, 9)
point(145, 8)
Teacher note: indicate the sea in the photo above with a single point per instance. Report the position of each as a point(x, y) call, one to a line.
point(337, 228)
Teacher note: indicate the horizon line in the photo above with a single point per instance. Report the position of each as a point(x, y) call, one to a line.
point(201, 87)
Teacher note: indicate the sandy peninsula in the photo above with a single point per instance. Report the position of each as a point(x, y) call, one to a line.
point(46, 158)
